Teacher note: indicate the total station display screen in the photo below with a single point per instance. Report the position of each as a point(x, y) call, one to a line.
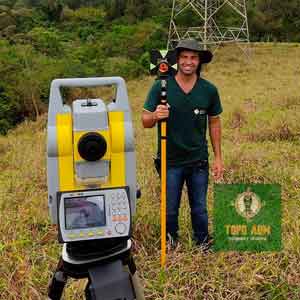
point(84, 212)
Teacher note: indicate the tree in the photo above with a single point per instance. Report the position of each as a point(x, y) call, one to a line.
point(138, 9)
point(55, 10)
point(275, 20)
point(114, 8)
point(12, 16)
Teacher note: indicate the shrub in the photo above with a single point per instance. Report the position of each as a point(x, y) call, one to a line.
point(46, 41)
point(8, 112)
point(121, 66)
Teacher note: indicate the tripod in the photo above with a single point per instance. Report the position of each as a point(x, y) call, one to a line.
point(111, 276)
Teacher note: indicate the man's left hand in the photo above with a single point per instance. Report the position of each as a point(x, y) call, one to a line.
point(218, 169)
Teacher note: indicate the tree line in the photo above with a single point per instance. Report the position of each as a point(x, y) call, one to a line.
point(45, 39)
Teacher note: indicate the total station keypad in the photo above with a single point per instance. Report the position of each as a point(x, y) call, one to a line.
point(120, 211)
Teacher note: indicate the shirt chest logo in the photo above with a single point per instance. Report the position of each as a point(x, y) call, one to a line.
point(198, 111)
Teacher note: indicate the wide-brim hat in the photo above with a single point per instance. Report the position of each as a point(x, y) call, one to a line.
point(191, 44)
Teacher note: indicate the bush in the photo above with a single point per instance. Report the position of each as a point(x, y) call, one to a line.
point(8, 112)
point(46, 41)
point(87, 14)
point(121, 66)
point(132, 40)
point(144, 61)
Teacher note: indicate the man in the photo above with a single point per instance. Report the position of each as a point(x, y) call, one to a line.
point(192, 101)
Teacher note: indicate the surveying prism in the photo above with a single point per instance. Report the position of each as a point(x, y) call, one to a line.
point(92, 190)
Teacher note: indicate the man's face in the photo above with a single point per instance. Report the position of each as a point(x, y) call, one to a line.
point(188, 62)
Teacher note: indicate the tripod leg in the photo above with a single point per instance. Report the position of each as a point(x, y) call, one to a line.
point(139, 292)
point(58, 282)
point(137, 286)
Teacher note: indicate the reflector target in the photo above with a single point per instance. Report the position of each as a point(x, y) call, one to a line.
point(157, 57)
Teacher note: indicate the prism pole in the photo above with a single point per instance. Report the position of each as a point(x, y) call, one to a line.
point(163, 63)
point(163, 193)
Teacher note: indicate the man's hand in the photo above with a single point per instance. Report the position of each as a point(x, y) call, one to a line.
point(149, 118)
point(161, 112)
point(218, 169)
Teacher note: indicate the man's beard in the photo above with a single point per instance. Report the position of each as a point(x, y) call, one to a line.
point(191, 70)
point(187, 73)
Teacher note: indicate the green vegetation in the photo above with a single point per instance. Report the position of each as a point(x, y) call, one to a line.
point(45, 39)
point(260, 145)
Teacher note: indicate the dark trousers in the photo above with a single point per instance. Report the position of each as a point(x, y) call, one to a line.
point(196, 179)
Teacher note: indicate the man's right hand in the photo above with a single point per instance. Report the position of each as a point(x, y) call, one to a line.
point(161, 112)
point(149, 119)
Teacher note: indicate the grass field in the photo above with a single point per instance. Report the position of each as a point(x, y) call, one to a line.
point(261, 132)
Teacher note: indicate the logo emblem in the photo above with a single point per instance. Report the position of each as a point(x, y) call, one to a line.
point(248, 204)
point(198, 111)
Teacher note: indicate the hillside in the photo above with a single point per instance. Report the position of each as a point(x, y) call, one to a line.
point(261, 133)
point(45, 39)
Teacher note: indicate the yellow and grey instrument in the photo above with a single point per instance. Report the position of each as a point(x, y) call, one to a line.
point(90, 148)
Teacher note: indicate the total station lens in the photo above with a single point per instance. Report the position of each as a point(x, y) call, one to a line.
point(92, 146)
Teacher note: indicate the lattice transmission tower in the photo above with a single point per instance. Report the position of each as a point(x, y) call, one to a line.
point(207, 21)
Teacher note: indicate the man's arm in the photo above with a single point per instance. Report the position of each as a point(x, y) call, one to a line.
point(149, 118)
point(214, 123)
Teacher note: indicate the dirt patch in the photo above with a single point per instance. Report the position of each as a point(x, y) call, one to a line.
point(281, 132)
point(238, 119)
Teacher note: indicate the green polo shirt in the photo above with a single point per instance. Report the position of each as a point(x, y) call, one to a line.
point(187, 122)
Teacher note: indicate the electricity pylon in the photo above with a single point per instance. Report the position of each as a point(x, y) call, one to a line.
point(208, 24)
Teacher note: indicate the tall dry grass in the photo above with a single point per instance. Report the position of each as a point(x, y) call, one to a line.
point(261, 132)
